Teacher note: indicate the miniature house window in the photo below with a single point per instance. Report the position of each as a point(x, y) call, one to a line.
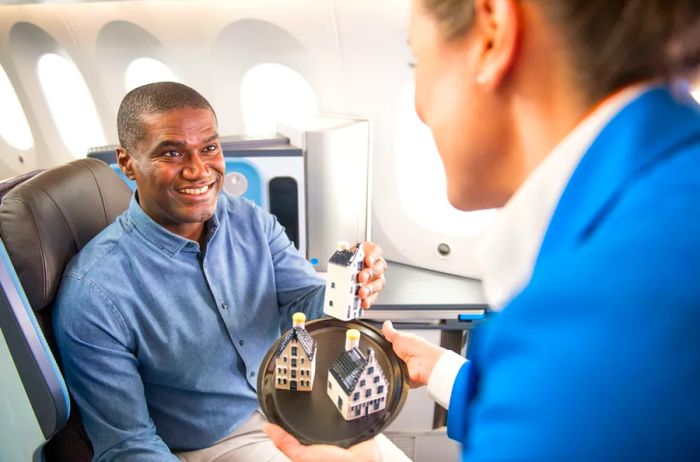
point(332, 285)
point(357, 410)
point(279, 370)
point(330, 385)
point(294, 373)
point(368, 393)
point(351, 289)
point(362, 383)
point(302, 360)
point(340, 402)
point(279, 380)
point(330, 303)
point(284, 358)
point(376, 379)
point(70, 104)
point(370, 371)
point(376, 406)
point(284, 381)
point(356, 396)
point(147, 70)
point(14, 127)
point(380, 389)
point(352, 277)
point(294, 362)
point(294, 353)
point(359, 265)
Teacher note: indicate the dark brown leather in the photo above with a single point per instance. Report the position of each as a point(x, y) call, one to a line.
point(47, 219)
point(44, 221)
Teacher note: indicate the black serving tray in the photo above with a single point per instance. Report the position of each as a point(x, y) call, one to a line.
point(311, 416)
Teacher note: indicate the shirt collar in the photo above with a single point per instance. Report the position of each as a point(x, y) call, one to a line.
point(168, 242)
point(509, 250)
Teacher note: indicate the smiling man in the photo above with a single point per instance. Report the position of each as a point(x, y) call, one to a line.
point(163, 318)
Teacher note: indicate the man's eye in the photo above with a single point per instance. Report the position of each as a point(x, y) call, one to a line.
point(211, 148)
point(171, 154)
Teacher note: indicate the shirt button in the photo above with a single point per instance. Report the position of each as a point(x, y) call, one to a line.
point(241, 342)
point(252, 374)
point(224, 306)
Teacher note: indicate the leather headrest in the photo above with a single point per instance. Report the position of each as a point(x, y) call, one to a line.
point(48, 218)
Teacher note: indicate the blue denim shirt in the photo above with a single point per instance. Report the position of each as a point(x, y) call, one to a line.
point(161, 342)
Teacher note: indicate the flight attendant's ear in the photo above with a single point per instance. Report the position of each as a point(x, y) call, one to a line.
point(499, 25)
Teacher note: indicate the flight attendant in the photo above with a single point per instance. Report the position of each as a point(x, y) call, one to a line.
point(573, 117)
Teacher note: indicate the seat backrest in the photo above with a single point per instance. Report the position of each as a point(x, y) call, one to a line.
point(44, 222)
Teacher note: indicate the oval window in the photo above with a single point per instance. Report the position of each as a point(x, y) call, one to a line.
point(147, 70)
point(14, 128)
point(70, 104)
point(272, 93)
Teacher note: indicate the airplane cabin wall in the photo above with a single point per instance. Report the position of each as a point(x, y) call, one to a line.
point(352, 53)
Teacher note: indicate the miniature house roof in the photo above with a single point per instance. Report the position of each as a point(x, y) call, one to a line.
point(305, 340)
point(348, 368)
point(344, 257)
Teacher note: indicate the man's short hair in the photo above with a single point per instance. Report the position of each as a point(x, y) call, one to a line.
point(153, 98)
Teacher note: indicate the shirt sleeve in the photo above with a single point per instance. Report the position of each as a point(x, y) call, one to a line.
point(442, 378)
point(101, 370)
point(299, 287)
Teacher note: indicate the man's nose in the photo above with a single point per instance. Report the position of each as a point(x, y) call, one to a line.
point(195, 167)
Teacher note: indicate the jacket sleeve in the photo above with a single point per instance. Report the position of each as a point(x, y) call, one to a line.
point(101, 370)
point(457, 414)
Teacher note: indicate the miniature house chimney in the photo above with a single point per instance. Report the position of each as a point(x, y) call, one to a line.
point(299, 320)
point(343, 245)
point(352, 339)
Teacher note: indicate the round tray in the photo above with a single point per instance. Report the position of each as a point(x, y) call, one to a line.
point(311, 416)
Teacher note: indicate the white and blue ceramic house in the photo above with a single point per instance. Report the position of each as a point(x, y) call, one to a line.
point(356, 383)
point(295, 358)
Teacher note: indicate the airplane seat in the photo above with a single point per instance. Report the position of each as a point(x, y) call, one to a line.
point(44, 221)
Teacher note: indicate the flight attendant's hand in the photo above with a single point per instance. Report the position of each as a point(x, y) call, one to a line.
point(367, 451)
point(372, 276)
point(419, 355)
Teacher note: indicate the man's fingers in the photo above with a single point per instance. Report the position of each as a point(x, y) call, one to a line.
point(369, 301)
point(285, 442)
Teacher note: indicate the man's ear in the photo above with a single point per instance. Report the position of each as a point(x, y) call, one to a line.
point(500, 26)
point(125, 162)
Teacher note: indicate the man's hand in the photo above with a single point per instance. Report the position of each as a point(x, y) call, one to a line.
point(367, 451)
point(372, 276)
point(419, 355)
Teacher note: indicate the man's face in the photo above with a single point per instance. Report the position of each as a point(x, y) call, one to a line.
point(465, 122)
point(178, 167)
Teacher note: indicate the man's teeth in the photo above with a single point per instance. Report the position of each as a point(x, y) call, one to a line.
point(194, 191)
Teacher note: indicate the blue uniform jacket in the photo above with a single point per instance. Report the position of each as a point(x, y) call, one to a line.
point(598, 358)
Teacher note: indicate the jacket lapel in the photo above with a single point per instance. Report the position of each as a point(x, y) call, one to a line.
point(635, 140)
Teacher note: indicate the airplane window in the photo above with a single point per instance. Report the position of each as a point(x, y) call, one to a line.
point(147, 70)
point(271, 93)
point(70, 103)
point(420, 177)
point(14, 127)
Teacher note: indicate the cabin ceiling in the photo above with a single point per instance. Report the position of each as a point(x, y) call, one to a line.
point(32, 2)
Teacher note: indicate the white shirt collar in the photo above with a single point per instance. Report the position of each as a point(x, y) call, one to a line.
point(510, 247)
